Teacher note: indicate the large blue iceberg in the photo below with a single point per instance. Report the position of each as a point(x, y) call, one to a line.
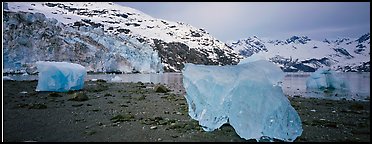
point(325, 78)
point(60, 76)
point(247, 96)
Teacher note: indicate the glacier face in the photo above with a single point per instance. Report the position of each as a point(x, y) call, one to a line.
point(246, 96)
point(185, 42)
point(30, 37)
point(60, 76)
point(300, 53)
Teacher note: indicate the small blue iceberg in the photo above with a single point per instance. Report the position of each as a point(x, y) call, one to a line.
point(60, 76)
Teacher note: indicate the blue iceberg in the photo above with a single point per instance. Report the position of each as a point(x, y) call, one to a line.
point(60, 76)
point(325, 79)
point(247, 96)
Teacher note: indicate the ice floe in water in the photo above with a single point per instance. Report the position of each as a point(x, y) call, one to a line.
point(325, 78)
point(60, 76)
point(117, 79)
point(247, 96)
point(7, 78)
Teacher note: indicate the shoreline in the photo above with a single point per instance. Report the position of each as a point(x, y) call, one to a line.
point(135, 112)
point(292, 84)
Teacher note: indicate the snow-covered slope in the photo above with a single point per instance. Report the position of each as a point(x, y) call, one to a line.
point(110, 33)
point(32, 37)
point(300, 53)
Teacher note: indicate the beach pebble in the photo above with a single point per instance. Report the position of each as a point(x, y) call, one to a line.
point(161, 89)
point(23, 92)
point(30, 141)
point(79, 96)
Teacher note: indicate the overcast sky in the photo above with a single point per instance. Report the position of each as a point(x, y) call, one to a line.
point(279, 20)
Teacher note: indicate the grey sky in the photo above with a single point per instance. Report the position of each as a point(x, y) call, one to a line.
point(280, 20)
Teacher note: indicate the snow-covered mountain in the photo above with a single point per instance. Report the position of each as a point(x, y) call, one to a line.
point(300, 53)
point(104, 37)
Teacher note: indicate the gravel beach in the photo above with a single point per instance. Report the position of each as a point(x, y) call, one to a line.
point(141, 112)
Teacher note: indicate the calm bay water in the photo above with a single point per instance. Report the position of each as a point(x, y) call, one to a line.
point(294, 84)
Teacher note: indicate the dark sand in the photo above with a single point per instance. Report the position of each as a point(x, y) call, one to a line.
point(149, 116)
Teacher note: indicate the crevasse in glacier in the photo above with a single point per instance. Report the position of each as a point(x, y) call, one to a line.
point(60, 76)
point(247, 96)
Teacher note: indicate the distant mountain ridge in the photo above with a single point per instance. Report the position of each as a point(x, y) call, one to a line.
point(300, 53)
point(106, 37)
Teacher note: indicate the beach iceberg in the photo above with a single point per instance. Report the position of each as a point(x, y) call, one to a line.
point(325, 78)
point(247, 96)
point(60, 76)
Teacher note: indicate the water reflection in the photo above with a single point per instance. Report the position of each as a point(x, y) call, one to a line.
point(294, 84)
point(172, 80)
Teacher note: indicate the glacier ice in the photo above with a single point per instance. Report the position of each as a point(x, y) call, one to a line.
point(246, 96)
point(30, 37)
point(325, 78)
point(60, 76)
